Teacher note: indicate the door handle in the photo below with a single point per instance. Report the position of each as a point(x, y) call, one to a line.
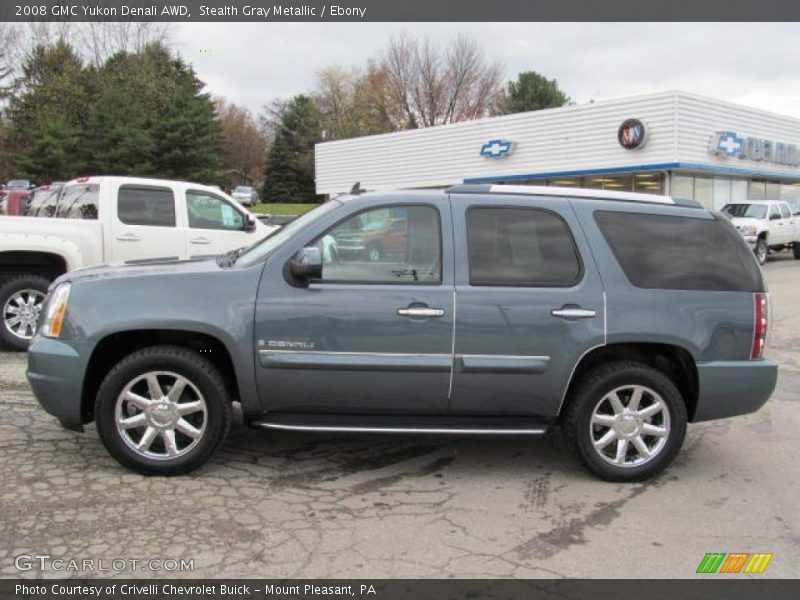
point(128, 237)
point(573, 313)
point(420, 311)
point(200, 240)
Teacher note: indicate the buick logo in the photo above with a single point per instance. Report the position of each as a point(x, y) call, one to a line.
point(632, 134)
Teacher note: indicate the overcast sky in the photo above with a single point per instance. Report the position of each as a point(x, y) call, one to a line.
point(756, 64)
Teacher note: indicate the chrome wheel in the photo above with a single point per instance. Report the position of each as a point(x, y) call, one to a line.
point(161, 415)
point(761, 252)
point(630, 426)
point(21, 312)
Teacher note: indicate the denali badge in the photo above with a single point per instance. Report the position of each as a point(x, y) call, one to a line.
point(287, 344)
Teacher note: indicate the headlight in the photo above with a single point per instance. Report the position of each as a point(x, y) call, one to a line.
point(54, 317)
point(749, 230)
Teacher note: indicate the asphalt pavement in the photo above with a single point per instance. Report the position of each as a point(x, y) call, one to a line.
point(283, 505)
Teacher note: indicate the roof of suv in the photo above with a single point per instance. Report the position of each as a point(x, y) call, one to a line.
point(539, 190)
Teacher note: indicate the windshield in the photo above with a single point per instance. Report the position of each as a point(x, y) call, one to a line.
point(746, 211)
point(261, 250)
point(18, 184)
point(242, 190)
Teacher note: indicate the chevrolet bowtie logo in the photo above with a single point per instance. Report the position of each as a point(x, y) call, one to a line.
point(496, 148)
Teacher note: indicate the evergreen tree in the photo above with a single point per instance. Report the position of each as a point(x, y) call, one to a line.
point(289, 171)
point(531, 91)
point(48, 118)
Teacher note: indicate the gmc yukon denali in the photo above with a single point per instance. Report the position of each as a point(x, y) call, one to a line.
point(508, 310)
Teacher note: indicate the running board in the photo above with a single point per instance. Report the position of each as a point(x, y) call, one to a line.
point(421, 425)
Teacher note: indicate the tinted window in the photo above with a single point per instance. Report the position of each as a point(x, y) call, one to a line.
point(144, 205)
point(79, 202)
point(398, 244)
point(748, 211)
point(520, 247)
point(680, 253)
point(207, 211)
point(785, 212)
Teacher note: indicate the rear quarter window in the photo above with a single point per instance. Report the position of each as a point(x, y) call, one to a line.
point(680, 253)
point(79, 201)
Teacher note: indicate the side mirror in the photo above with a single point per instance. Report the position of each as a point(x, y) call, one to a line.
point(307, 264)
point(249, 224)
point(774, 217)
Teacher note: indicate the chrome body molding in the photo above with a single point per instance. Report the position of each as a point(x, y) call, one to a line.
point(386, 361)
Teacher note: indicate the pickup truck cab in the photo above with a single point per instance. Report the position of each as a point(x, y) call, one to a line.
point(767, 226)
point(110, 219)
point(619, 317)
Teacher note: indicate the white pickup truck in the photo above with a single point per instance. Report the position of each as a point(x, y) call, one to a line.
point(767, 225)
point(111, 219)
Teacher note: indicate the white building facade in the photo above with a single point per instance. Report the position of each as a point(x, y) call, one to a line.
point(668, 143)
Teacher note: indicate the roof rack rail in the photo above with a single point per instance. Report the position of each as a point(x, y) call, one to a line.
point(540, 190)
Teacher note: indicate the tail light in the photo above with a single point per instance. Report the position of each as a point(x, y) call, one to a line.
point(760, 325)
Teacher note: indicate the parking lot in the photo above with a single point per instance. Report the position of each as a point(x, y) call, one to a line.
point(289, 505)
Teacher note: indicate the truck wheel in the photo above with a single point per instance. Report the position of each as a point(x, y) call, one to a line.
point(163, 410)
point(626, 421)
point(762, 251)
point(796, 250)
point(21, 300)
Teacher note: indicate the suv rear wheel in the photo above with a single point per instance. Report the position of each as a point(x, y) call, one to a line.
point(626, 421)
point(163, 410)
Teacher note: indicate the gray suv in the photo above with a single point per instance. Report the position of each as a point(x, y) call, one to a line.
point(499, 310)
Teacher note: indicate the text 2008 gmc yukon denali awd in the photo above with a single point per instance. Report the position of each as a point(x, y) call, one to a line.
point(495, 310)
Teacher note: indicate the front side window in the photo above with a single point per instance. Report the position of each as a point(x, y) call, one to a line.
point(397, 244)
point(146, 205)
point(520, 247)
point(208, 211)
point(79, 202)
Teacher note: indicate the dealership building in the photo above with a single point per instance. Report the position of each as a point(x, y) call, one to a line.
point(667, 143)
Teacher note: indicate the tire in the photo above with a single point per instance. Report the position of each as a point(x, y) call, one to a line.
point(209, 423)
point(374, 253)
point(796, 250)
point(16, 329)
point(762, 251)
point(590, 407)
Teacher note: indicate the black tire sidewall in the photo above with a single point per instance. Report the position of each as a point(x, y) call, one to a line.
point(7, 289)
point(596, 385)
point(184, 362)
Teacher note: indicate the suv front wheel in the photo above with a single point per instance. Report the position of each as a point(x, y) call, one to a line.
point(626, 421)
point(163, 410)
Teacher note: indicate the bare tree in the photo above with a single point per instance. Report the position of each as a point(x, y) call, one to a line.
point(97, 41)
point(244, 144)
point(427, 87)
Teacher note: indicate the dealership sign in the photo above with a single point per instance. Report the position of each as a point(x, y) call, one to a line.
point(497, 148)
point(632, 134)
point(729, 144)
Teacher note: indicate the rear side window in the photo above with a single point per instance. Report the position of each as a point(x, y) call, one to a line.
point(79, 202)
point(520, 247)
point(146, 205)
point(680, 253)
point(785, 212)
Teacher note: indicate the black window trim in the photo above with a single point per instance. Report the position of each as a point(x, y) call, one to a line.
point(188, 191)
point(438, 282)
point(581, 271)
point(149, 188)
